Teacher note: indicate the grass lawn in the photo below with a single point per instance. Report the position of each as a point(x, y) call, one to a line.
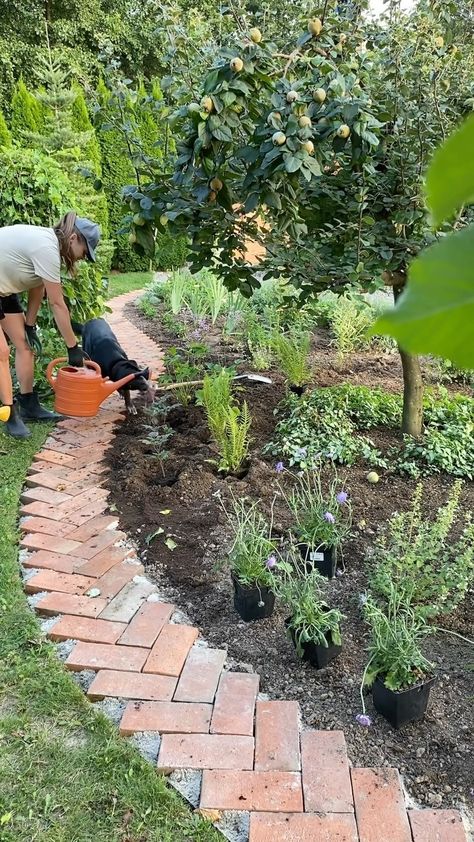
point(65, 774)
point(127, 281)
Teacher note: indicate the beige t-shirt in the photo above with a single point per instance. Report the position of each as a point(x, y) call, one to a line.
point(29, 255)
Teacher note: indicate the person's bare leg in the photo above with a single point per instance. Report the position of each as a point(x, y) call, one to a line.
point(14, 327)
point(6, 389)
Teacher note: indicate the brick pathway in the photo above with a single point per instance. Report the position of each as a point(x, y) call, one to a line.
point(297, 784)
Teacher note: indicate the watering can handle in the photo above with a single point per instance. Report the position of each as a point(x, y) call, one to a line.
point(53, 363)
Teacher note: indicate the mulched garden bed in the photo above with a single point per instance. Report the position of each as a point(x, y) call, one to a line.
point(435, 756)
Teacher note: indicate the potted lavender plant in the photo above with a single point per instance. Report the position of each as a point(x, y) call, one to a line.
point(252, 559)
point(321, 521)
point(313, 626)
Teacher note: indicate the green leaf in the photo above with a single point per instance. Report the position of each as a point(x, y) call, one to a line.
point(450, 178)
point(292, 164)
point(222, 133)
point(435, 313)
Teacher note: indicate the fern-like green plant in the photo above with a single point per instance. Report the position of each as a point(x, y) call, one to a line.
point(216, 398)
point(350, 322)
point(234, 441)
point(292, 351)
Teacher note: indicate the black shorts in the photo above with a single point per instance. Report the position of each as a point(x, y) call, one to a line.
point(10, 304)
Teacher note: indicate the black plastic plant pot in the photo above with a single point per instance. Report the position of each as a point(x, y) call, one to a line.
point(401, 706)
point(253, 603)
point(298, 390)
point(323, 559)
point(317, 655)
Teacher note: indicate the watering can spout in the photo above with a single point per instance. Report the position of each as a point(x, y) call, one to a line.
point(110, 386)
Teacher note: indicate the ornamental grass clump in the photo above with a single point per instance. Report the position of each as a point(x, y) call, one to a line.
point(423, 559)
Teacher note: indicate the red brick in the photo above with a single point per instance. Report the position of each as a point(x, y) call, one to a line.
point(39, 541)
point(132, 685)
point(86, 513)
point(45, 525)
point(116, 578)
point(65, 603)
point(85, 499)
point(380, 806)
point(127, 602)
point(147, 623)
point(50, 561)
point(57, 470)
point(86, 629)
point(205, 751)
point(102, 562)
point(93, 527)
point(277, 737)
point(165, 716)
point(200, 675)
point(101, 656)
point(61, 445)
point(45, 510)
point(51, 580)
point(44, 495)
point(302, 827)
point(273, 792)
point(437, 826)
point(171, 649)
point(95, 545)
point(326, 775)
point(234, 707)
point(53, 457)
point(49, 479)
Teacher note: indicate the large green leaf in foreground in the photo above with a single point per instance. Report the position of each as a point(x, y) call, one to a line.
point(450, 178)
point(435, 313)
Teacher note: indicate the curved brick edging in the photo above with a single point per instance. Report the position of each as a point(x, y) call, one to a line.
point(297, 785)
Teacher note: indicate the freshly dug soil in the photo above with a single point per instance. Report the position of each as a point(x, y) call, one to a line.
point(183, 496)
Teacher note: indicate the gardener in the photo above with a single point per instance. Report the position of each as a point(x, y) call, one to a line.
point(30, 261)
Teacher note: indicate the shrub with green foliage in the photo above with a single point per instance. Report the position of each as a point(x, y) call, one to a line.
point(5, 136)
point(430, 567)
point(26, 113)
point(81, 123)
point(326, 423)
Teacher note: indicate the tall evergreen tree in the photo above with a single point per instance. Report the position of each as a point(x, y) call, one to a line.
point(25, 111)
point(5, 136)
point(81, 123)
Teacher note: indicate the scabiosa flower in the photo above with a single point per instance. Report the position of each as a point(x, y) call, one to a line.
point(279, 467)
point(342, 497)
point(271, 562)
point(329, 517)
point(364, 720)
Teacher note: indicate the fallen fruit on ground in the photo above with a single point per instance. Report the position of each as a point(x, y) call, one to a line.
point(373, 477)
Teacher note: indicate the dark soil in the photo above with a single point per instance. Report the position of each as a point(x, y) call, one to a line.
point(435, 755)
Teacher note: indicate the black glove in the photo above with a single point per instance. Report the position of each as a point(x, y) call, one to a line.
point(76, 356)
point(33, 339)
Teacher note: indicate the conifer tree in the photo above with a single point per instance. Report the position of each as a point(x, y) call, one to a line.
point(5, 136)
point(25, 111)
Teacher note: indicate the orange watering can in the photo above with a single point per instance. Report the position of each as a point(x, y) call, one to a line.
point(80, 391)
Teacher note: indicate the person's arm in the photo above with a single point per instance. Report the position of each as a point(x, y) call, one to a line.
point(60, 313)
point(35, 297)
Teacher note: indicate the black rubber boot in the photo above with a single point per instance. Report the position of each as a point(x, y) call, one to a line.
point(31, 409)
point(15, 426)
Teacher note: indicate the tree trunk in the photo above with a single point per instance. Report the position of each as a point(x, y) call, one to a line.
point(412, 418)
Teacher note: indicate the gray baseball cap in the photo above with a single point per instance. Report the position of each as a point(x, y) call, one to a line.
point(91, 233)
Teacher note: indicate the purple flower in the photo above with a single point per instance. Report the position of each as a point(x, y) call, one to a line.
point(279, 467)
point(271, 562)
point(196, 334)
point(329, 517)
point(364, 720)
point(342, 497)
